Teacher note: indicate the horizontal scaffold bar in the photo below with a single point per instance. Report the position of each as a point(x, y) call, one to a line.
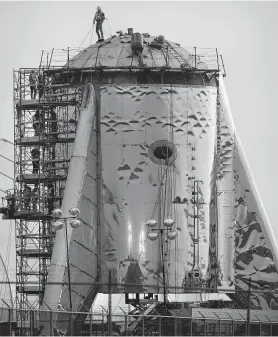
point(33, 253)
point(36, 104)
point(35, 236)
point(128, 68)
point(56, 161)
point(28, 215)
point(30, 141)
point(36, 178)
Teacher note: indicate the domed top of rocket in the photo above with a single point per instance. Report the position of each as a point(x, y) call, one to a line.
point(135, 50)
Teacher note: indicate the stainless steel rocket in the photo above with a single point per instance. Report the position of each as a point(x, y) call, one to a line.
point(165, 193)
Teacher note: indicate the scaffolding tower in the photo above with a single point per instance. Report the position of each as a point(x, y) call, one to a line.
point(44, 131)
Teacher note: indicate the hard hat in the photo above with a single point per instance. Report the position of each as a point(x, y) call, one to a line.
point(98, 7)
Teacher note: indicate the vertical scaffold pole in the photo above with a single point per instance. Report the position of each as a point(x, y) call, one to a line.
point(248, 308)
point(102, 314)
point(176, 326)
point(109, 304)
point(217, 57)
point(10, 321)
point(91, 332)
point(224, 74)
point(51, 323)
point(68, 265)
point(32, 323)
point(195, 58)
point(41, 61)
point(51, 57)
point(126, 332)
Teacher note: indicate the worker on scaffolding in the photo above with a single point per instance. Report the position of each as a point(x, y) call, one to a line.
point(41, 85)
point(27, 196)
point(4, 210)
point(99, 18)
point(11, 205)
point(33, 84)
point(53, 124)
point(50, 198)
point(37, 123)
point(35, 197)
point(10, 209)
point(35, 154)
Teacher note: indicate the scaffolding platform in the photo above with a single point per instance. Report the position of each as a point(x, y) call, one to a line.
point(26, 214)
point(33, 253)
point(33, 104)
point(29, 273)
point(58, 86)
point(39, 178)
point(31, 290)
point(36, 236)
point(52, 169)
point(56, 161)
point(38, 140)
point(55, 197)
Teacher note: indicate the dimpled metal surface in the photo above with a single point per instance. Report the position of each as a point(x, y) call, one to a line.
point(245, 225)
point(132, 119)
point(236, 241)
point(255, 254)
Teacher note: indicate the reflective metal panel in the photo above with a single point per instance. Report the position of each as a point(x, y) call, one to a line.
point(140, 127)
point(255, 256)
point(80, 192)
point(255, 249)
point(226, 193)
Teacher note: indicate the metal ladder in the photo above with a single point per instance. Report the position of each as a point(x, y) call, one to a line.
point(183, 63)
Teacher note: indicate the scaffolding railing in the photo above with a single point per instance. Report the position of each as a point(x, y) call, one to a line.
point(197, 58)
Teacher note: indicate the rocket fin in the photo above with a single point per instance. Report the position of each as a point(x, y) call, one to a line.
point(255, 249)
point(80, 192)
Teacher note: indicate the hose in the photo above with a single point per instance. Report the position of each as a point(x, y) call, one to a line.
point(92, 34)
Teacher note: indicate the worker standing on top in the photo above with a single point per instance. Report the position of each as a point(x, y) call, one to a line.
point(99, 18)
